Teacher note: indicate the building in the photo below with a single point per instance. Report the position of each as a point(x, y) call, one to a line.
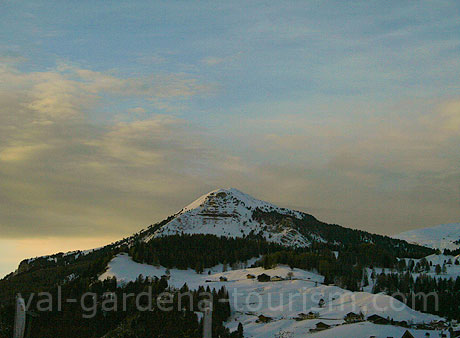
point(320, 327)
point(263, 278)
point(407, 334)
point(352, 317)
point(310, 315)
point(376, 319)
point(402, 323)
point(276, 279)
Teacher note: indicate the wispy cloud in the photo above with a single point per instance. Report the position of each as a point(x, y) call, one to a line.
point(55, 161)
point(216, 60)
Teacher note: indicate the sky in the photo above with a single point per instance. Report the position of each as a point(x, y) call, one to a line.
point(114, 115)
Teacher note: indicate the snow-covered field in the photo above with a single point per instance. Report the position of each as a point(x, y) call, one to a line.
point(282, 301)
point(366, 330)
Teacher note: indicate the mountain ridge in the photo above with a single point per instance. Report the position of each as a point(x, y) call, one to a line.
point(443, 236)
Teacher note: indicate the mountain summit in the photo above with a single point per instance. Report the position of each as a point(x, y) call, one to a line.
point(232, 213)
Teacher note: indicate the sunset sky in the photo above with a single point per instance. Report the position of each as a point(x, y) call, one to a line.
point(116, 114)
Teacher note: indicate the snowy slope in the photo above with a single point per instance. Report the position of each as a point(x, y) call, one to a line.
point(445, 236)
point(452, 270)
point(282, 301)
point(366, 330)
point(229, 212)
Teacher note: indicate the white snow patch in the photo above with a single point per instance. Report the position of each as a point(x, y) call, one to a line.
point(440, 237)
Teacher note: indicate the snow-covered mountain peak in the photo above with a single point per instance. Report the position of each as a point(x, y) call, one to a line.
point(444, 236)
point(230, 212)
point(227, 199)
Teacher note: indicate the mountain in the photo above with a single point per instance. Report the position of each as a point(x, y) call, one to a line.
point(230, 213)
point(225, 233)
point(444, 236)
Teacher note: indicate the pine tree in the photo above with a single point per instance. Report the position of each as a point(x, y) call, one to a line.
point(438, 269)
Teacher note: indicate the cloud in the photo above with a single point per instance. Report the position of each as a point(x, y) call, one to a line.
point(68, 176)
point(383, 171)
point(451, 113)
point(151, 59)
point(137, 110)
point(20, 153)
point(69, 91)
point(214, 60)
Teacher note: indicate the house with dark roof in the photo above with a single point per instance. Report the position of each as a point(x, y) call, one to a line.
point(376, 319)
point(263, 278)
point(407, 334)
point(320, 327)
point(352, 317)
point(310, 315)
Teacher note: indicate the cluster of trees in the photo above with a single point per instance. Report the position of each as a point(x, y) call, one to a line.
point(199, 251)
point(420, 290)
point(183, 321)
point(344, 268)
point(109, 313)
point(41, 276)
point(424, 266)
point(453, 252)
